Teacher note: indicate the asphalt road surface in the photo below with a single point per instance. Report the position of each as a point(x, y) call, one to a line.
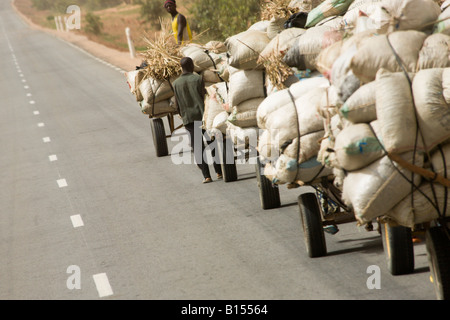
point(89, 212)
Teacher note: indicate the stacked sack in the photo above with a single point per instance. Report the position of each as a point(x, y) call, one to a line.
point(155, 97)
point(246, 81)
point(290, 116)
point(391, 76)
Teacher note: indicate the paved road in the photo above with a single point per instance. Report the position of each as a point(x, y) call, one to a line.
point(83, 194)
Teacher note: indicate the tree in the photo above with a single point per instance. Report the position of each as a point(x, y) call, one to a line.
point(220, 19)
point(152, 10)
point(93, 23)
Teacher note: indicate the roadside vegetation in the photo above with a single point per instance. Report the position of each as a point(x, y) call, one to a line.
point(105, 21)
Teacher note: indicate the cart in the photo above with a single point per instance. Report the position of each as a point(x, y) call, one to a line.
point(269, 193)
point(324, 211)
point(159, 133)
point(319, 211)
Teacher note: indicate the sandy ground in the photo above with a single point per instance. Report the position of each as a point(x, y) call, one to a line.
point(119, 59)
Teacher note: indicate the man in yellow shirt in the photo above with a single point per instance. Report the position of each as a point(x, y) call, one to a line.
point(180, 26)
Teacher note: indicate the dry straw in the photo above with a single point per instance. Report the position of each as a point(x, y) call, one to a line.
point(162, 55)
point(276, 9)
point(277, 70)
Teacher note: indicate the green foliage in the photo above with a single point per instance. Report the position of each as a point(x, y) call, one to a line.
point(220, 19)
point(152, 10)
point(93, 23)
point(42, 4)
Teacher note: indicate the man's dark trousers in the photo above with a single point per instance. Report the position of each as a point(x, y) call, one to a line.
point(196, 137)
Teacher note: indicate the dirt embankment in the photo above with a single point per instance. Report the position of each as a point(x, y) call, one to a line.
point(117, 58)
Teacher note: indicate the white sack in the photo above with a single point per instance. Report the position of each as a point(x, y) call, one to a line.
point(377, 188)
point(244, 114)
point(357, 146)
point(396, 113)
point(245, 48)
point(244, 85)
point(153, 90)
point(375, 53)
point(423, 210)
point(432, 98)
point(360, 107)
point(435, 52)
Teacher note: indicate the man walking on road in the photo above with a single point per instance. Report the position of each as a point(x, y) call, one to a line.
point(180, 26)
point(190, 92)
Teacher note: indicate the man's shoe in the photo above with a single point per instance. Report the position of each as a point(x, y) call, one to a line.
point(219, 176)
point(207, 180)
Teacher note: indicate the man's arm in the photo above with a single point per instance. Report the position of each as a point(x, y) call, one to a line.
point(181, 26)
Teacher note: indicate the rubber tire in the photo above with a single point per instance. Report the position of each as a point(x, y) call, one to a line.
point(311, 217)
point(229, 170)
point(159, 137)
point(269, 193)
point(438, 250)
point(398, 249)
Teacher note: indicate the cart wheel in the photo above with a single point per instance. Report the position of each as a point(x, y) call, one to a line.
point(312, 225)
point(438, 249)
point(159, 137)
point(398, 249)
point(269, 193)
point(229, 171)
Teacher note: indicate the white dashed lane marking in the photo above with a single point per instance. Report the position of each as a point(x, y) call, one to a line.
point(46, 139)
point(62, 183)
point(76, 221)
point(102, 284)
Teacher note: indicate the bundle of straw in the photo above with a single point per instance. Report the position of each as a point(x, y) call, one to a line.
point(276, 9)
point(162, 56)
point(276, 69)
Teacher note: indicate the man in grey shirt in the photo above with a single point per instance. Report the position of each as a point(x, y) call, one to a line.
point(190, 91)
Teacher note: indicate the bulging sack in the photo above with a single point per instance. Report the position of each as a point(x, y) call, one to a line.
point(154, 91)
point(435, 52)
point(283, 97)
point(432, 97)
point(377, 188)
point(213, 106)
point(245, 47)
point(422, 210)
point(244, 114)
point(134, 79)
point(159, 109)
point(245, 85)
point(396, 113)
point(286, 170)
point(357, 146)
point(375, 53)
point(293, 120)
point(305, 50)
point(360, 107)
point(201, 57)
point(281, 43)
